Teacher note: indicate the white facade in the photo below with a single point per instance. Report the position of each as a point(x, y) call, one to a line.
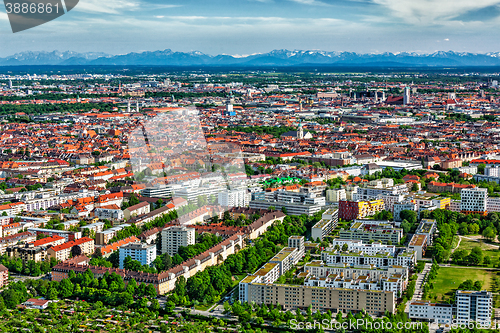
point(474, 199)
point(236, 198)
point(493, 205)
point(425, 310)
point(335, 195)
point(370, 249)
point(474, 306)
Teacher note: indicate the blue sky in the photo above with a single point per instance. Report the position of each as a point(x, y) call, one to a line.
point(241, 27)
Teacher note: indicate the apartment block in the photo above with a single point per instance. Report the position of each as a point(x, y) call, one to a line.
point(291, 297)
point(63, 251)
point(144, 253)
point(176, 236)
point(474, 306)
point(382, 259)
point(235, 198)
point(434, 312)
point(105, 236)
point(350, 210)
point(325, 226)
point(474, 201)
point(27, 252)
point(321, 269)
point(4, 276)
point(369, 231)
point(336, 195)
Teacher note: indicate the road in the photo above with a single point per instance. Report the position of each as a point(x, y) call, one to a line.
point(17, 277)
point(418, 286)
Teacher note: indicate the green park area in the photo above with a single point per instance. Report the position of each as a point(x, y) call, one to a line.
point(448, 280)
point(489, 254)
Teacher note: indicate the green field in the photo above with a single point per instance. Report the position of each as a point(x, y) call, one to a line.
point(489, 249)
point(449, 278)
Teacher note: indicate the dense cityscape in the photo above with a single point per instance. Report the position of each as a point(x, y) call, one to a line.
point(249, 201)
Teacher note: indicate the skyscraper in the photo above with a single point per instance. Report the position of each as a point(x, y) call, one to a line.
point(10, 84)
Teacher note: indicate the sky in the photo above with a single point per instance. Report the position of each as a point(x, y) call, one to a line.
point(242, 27)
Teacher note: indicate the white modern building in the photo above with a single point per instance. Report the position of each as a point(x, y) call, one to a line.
point(235, 198)
point(335, 195)
point(326, 225)
point(474, 200)
point(433, 312)
point(474, 306)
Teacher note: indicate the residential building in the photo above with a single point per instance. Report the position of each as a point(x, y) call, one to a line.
point(350, 210)
point(326, 225)
point(63, 251)
point(176, 236)
point(404, 257)
point(433, 312)
point(94, 227)
point(369, 231)
point(400, 206)
point(292, 297)
point(336, 195)
point(136, 210)
point(474, 201)
point(27, 252)
point(105, 236)
point(474, 306)
point(234, 198)
point(4, 276)
point(110, 212)
point(144, 253)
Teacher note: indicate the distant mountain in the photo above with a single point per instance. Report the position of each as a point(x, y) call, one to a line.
point(273, 58)
point(50, 58)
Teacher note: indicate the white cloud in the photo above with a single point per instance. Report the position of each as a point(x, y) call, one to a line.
point(108, 6)
point(310, 2)
point(118, 6)
point(424, 12)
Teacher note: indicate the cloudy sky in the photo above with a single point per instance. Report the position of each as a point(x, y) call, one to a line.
point(254, 26)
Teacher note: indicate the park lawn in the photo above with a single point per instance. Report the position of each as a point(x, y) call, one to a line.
point(449, 278)
point(202, 307)
point(487, 249)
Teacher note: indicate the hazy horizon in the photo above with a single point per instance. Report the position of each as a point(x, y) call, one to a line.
point(240, 27)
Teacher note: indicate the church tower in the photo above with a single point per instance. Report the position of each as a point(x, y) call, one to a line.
point(300, 132)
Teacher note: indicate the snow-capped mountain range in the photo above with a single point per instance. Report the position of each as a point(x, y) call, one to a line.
point(273, 58)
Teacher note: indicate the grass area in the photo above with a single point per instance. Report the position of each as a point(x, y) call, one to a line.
point(202, 307)
point(489, 249)
point(449, 278)
point(455, 241)
point(496, 301)
point(468, 244)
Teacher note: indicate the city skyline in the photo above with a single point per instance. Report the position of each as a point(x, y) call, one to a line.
point(258, 26)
